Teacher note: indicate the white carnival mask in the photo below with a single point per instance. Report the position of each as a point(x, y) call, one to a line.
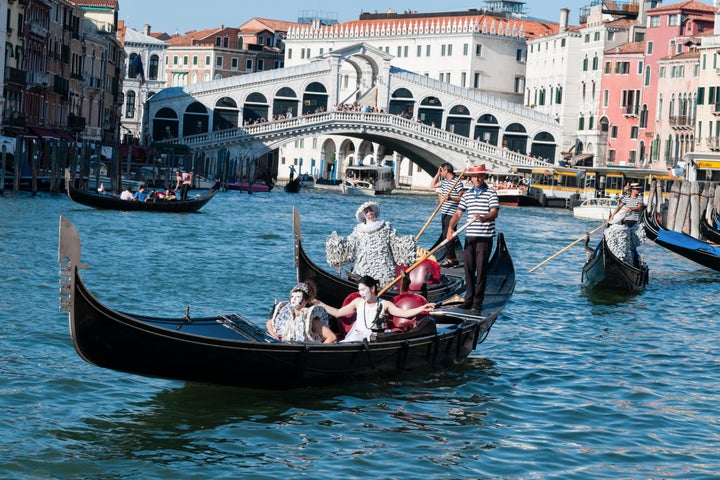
point(364, 291)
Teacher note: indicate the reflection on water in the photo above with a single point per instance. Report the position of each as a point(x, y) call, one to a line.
point(568, 384)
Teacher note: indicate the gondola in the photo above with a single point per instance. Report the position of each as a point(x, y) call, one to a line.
point(704, 253)
point(231, 350)
point(293, 186)
point(604, 270)
point(711, 233)
point(111, 202)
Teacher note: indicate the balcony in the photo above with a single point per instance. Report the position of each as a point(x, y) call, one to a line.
point(75, 123)
point(14, 119)
point(13, 75)
point(38, 79)
point(682, 122)
point(713, 143)
point(631, 110)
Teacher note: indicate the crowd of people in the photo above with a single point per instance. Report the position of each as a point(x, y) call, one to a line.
point(377, 254)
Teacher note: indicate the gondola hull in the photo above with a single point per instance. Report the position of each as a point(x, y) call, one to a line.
point(708, 231)
point(604, 270)
point(684, 245)
point(230, 350)
point(109, 202)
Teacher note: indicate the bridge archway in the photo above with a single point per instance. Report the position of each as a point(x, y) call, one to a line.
point(402, 103)
point(487, 129)
point(315, 98)
point(196, 119)
point(515, 138)
point(458, 121)
point(256, 108)
point(431, 112)
point(543, 145)
point(285, 103)
point(166, 124)
point(225, 114)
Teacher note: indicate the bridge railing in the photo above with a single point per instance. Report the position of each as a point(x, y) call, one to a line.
point(355, 120)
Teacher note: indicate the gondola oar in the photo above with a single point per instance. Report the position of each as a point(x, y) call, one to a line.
point(425, 257)
point(565, 248)
point(437, 209)
point(445, 313)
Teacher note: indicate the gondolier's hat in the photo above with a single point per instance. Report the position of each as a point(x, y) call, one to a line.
point(360, 214)
point(635, 185)
point(476, 170)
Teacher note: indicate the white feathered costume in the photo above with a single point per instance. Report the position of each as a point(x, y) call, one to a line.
point(375, 248)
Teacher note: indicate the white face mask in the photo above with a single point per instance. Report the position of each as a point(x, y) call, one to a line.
point(364, 291)
point(296, 299)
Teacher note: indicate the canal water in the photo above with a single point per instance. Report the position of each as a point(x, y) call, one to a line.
point(568, 384)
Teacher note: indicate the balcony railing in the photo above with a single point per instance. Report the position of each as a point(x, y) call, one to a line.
point(632, 110)
point(713, 143)
point(681, 121)
point(38, 78)
point(13, 75)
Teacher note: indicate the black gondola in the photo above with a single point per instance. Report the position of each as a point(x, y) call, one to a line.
point(605, 270)
point(230, 350)
point(711, 233)
point(691, 248)
point(111, 202)
point(293, 186)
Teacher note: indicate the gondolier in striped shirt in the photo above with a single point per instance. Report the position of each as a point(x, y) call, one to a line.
point(451, 191)
point(631, 206)
point(481, 204)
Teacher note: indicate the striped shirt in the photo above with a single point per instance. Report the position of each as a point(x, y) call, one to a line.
point(479, 201)
point(631, 202)
point(449, 206)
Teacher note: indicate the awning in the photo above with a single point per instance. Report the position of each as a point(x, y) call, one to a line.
point(64, 136)
point(582, 158)
point(44, 134)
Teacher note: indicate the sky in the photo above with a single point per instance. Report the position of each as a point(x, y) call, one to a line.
point(181, 16)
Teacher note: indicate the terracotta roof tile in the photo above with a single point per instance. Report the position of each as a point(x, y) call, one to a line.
point(687, 5)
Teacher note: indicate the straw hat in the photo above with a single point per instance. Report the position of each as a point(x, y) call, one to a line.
point(360, 214)
point(634, 185)
point(476, 170)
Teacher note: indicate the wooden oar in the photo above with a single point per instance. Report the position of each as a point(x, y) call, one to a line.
point(425, 257)
point(565, 248)
point(437, 209)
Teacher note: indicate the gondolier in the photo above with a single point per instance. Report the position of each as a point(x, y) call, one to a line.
point(451, 190)
point(481, 202)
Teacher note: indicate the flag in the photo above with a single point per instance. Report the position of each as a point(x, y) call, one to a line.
point(137, 68)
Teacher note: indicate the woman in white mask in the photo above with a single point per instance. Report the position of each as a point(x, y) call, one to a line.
point(300, 321)
point(370, 310)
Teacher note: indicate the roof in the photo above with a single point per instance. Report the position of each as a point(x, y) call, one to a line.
point(687, 5)
point(259, 24)
point(133, 36)
point(627, 48)
point(96, 3)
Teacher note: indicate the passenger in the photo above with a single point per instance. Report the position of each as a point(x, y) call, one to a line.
point(141, 195)
point(374, 246)
point(126, 194)
point(300, 321)
point(481, 203)
point(370, 311)
point(170, 195)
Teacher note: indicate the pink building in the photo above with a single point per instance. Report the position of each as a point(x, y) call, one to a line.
point(621, 108)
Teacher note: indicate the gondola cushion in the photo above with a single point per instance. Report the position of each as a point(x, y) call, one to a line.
point(406, 301)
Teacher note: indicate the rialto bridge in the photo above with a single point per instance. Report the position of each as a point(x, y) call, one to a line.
point(244, 117)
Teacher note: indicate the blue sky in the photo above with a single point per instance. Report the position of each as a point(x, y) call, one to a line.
point(172, 16)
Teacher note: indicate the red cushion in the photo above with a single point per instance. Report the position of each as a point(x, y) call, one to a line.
point(345, 323)
point(406, 301)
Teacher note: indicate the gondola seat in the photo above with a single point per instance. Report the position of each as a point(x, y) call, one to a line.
point(406, 301)
point(428, 271)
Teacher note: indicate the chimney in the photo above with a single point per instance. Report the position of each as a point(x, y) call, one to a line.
point(146, 29)
point(564, 16)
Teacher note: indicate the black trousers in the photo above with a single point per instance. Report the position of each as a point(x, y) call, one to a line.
point(184, 188)
point(450, 246)
point(476, 257)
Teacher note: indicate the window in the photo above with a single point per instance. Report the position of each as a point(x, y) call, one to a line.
point(674, 20)
point(478, 50)
point(640, 68)
point(399, 51)
point(463, 79)
point(519, 84)
point(634, 132)
point(130, 104)
point(175, 59)
point(419, 50)
point(649, 48)
point(289, 53)
point(613, 131)
point(476, 81)
point(611, 156)
point(655, 21)
point(218, 41)
point(608, 68)
point(587, 38)
point(234, 63)
point(185, 60)
point(661, 72)
point(597, 36)
point(195, 60)
point(647, 76)
point(219, 61)
point(248, 64)
point(207, 61)
point(427, 50)
point(606, 98)
point(558, 95)
point(465, 49)
point(519, 55)
point(585, 64)
point(581, 123)
point(449, 50)
point(154, 67)
point(260, 64)
point(226, 42)
point(595, 62)
point(405, 51)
